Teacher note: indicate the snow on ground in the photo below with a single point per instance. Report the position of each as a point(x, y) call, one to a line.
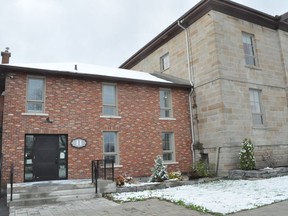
point(225, 196)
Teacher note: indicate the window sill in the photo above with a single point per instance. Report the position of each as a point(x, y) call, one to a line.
point(35, 114)
point(170, 162)
point(115, 166)
point(253, 67)
point(164, 70)
point(168, 119)
point(107, 116)
point(262, 127)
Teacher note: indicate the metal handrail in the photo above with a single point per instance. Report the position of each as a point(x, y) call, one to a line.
point(11, 181)
point(101, 165)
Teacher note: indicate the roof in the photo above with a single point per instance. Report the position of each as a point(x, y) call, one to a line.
point(88, 70)
point(203, 7)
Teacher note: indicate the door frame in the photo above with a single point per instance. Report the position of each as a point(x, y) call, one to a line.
point(28, 156)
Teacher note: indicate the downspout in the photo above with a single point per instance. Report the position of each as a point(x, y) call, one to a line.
point(191, 92)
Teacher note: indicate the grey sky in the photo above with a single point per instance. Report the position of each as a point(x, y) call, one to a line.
point(102, 32)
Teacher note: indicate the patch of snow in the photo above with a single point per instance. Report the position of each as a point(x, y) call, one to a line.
point(225, 196)
point(89, 69)
point(139, 184)
point(267, 168)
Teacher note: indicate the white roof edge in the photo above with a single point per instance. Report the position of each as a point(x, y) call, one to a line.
point(89, 69)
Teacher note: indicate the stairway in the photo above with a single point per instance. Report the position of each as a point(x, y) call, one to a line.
point(46, 192)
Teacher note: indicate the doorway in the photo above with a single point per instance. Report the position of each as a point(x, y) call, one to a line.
point(45, 157)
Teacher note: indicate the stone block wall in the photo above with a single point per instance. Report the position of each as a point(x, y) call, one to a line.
point(222, 81)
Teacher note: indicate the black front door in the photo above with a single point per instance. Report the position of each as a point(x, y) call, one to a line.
point(45, 157)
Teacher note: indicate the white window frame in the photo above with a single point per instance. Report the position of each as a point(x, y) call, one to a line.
point(116, 147)
point(249, 49)
point(42, 101)
point(115, 105)
point(256, 107)
point(164, 62)
point(164, 109)
point(171, 144)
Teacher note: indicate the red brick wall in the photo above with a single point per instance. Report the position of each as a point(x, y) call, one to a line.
point(75, 106)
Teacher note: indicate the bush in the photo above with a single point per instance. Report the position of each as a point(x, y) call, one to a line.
point(201, 169)
point(246, 155)
point(176, 175)
point(120, 180)
point(159, 171)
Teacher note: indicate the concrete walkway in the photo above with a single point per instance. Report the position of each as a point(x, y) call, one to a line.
point(4, 210)
point(152, 207)
point(101, 207)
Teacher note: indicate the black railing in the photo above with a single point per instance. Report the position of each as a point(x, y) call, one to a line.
point(11, 181)
point(101, 169)
point(1, 156)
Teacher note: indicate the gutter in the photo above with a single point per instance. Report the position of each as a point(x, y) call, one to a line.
point(191, 80)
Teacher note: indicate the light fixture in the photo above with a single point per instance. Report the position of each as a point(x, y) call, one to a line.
point(48, 120)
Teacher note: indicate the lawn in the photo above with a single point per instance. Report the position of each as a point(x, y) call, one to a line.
point(224, 196)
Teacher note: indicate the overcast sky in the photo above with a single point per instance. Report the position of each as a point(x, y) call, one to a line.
point(102, 32)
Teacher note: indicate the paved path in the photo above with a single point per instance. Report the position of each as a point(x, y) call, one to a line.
point(4, 211)
point(101, 207)
point(152, 207)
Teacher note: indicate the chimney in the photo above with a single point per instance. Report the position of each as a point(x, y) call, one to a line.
point(5, 56)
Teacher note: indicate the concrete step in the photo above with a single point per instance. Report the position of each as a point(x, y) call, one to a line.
point(45, 186)
point(50, 200)
point(36, 193)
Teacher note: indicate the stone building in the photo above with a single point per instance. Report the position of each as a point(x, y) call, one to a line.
point(236, 59)
point(57, 118)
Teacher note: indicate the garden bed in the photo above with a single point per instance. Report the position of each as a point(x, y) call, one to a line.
point(160, 185)
point(261, 173)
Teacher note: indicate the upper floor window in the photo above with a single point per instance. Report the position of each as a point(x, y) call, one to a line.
point(35, 95)
point(109, 99)
point(110, 146)
point(255, 102)
point(164, 62)
point(168, 146)
point(165, 103)
point(249, 49)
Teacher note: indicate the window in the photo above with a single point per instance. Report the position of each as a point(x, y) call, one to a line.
point(110, 146)
point(255, 102)
point(168, 146)
point(35, 95)
point(165, 103)
point(164, 62)
point(109, 99)
point(249, 49)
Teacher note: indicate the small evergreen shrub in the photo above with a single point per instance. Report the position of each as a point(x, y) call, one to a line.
point(159, 171)
point(246, 155)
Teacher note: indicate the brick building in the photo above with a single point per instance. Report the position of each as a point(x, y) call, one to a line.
point(50, 109)
point(237, 61)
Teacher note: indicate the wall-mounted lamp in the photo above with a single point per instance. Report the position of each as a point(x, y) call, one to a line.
point(11, 75)
point(48, 120)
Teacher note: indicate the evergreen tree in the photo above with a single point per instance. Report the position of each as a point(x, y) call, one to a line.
point(159, 171)
point(246, 155)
